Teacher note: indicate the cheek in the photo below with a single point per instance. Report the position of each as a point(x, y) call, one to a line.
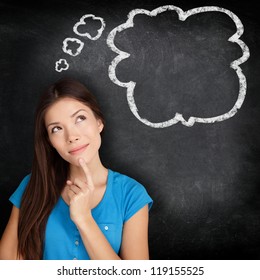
point(93, 136)
point(89, 131)
point(96, 136)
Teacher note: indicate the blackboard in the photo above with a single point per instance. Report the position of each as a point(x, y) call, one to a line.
point(202, 174)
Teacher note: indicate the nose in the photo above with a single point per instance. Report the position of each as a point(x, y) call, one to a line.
point(73, 139)
point(72, 136)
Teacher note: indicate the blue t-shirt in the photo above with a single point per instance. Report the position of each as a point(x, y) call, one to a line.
point(122, 199)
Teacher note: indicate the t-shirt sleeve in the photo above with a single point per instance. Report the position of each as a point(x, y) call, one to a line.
point(136, 197)
point(16, 197)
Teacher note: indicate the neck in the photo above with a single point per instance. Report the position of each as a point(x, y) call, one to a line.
point(96, 168)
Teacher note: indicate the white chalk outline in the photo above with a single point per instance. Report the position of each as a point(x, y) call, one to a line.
point(182, 16)
point(82, 22)
point(68, 51)
point(60, 61)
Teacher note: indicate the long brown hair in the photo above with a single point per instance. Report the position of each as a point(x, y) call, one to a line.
point(49, 171)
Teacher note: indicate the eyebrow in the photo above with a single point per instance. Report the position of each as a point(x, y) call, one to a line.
point(73, 115)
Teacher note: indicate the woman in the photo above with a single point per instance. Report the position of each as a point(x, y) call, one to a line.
point(71, 206)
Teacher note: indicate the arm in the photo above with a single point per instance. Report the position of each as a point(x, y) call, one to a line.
point(80, 197)
point(134, 241)
point(135, 237)
point(95, 242)
point(9, 241)
point(135, 232)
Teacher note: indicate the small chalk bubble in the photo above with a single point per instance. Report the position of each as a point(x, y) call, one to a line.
point(77, 46)
point(61, 65)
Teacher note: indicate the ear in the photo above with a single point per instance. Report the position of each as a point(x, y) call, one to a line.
point(100, 125)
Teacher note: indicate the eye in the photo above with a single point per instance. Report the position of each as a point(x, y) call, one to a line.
point(80, 118)
point(55, 129)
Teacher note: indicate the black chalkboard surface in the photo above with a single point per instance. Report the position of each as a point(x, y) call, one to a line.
point(181, 100)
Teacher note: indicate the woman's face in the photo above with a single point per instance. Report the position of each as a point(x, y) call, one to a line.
point(73, 130)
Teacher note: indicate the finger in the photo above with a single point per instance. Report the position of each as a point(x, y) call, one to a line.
point(83, 186)
point(74, 188)
point(77, 183)
point(69, 182)
point(70, 193)
point(86, 171)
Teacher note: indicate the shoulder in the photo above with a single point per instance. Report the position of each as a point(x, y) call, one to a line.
point(132, 194)
point(16, 197)
point(26, 179)
point(23, 184)
point(124, 182)
point(122, 178)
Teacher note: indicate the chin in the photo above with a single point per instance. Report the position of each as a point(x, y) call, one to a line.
point(75, 160)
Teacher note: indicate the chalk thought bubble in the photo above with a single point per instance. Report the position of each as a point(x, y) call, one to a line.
point(61, 65)
point(82, 22)
point(178, 117)
point(77, 42)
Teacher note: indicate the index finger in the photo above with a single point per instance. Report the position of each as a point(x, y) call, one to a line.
point(85, 169)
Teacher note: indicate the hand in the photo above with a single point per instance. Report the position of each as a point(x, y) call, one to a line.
point(80, 195)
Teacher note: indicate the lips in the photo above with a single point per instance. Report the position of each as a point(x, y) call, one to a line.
point(78, 150)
